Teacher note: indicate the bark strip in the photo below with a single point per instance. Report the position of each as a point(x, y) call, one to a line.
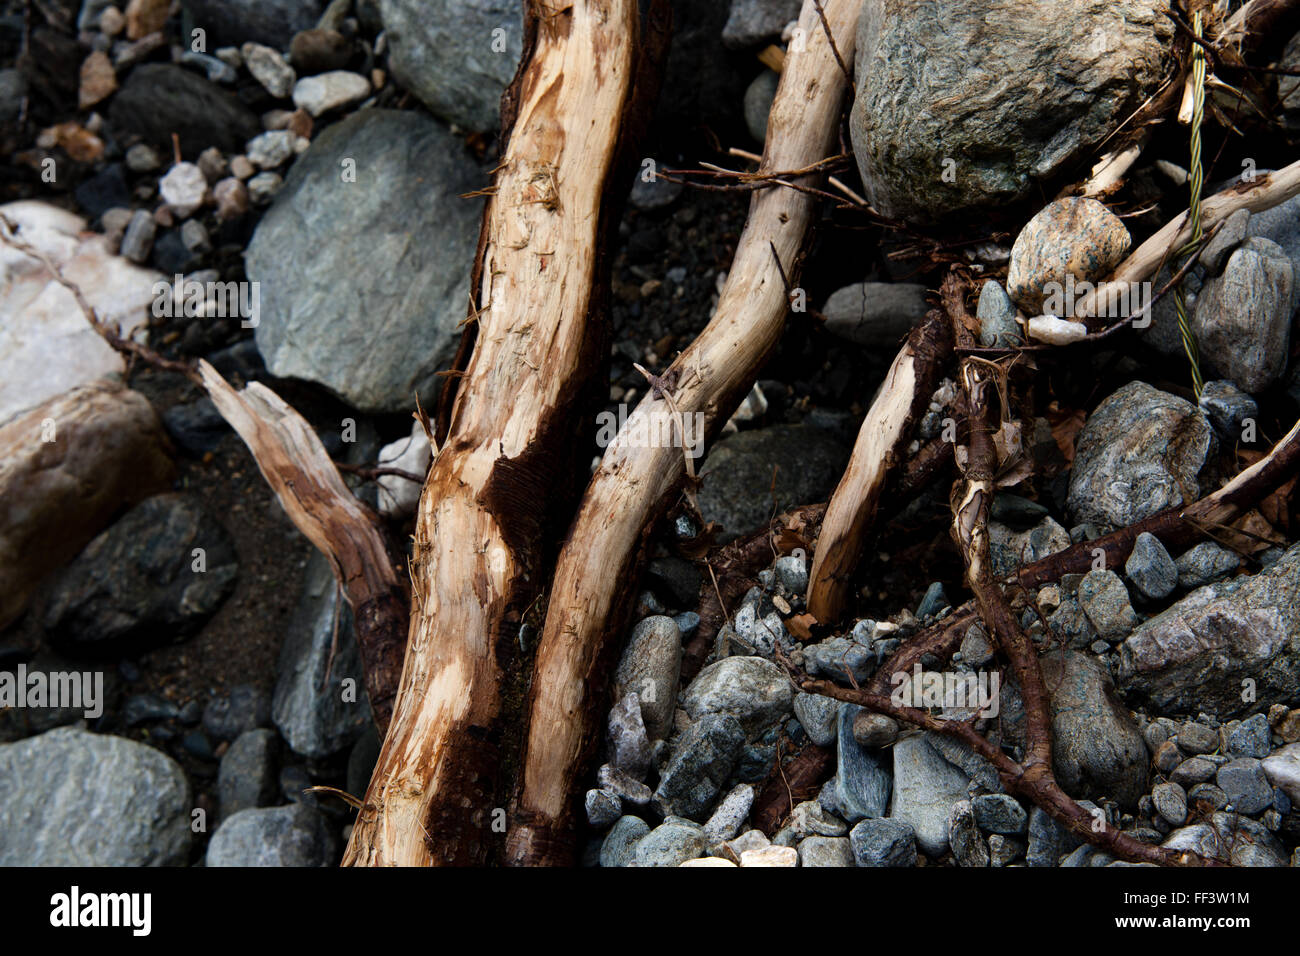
point(634, 485)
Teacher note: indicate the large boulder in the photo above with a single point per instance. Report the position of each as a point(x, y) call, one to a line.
point(365, 278)
point(1222, 648)
point(997, 94)
point(66, 467)
point(457, 56)
point(73, 798)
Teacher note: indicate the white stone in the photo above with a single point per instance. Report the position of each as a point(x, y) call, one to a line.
point(709, 861)
point(327, 91)
point(770, 856)
point(1282, 768)
point(46, 345)
point(269, 69)
point(397, 496)
point(184, 188)
point(1054, 331)
point(271, 149)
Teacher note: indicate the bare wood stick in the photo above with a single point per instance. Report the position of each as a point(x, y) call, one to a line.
point(296, 466)
point(884, 435)
point(499, 482)
point(635, 484)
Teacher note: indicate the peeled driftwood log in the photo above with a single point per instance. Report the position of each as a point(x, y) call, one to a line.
point(902, 399)
point(497, 486)
point(635, 484)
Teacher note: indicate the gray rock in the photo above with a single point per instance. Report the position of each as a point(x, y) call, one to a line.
point(330, 91)
point(1197, 653)
point(233, 22)
point(759, 635)
point(603, 808)
point(887, 842)
point(235, 712)
point(754, 691)
point(72, 798)
point(999, 813)
point(860, 788)
point(651, 668)
point(1004, 850)
point(731, 811)
point(997, 317)
point(1140, 451)
point(1207, 793)
point(792, 573)
point(619, 847)
point(1068, 240)
point(160, 98)
point(1195, 738)
point(319, 718)
point(1251, 737)
point(1281, 224)
point(1228, 238)
point(1097, 750)
point(810, 818)
point(296, 835)
point(980, 771)
point(758, 103)
point(826, 851)
point(1192, 771)
point(457, 56)
point(1243, 318)
point(968, 846)
point(875, 314)
point(270, 149)
point(1230, 838)
point(874, 730)
point(248, 775)
point(819, 717)
point(737, 490)
point(270, 69)
point(1010, 549)
point(1150, 567)
point(1106, 602)
point(1204, 564)
point(1009, 95)
point(626, 788)
point(137, 241)
point(925, 788)
point(629, 747)
point(154, 576)
point(752, 22)
point(1227, 407)
point(671, 843)
point(1170, 802)
point(1243, 780)
point(732, 849)
point(837, 657)
point(701, 763)
point(1048, 840)
point(365, 311)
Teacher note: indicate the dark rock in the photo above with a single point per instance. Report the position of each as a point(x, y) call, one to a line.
point(159, 99)
point(1150, 567)
point(296, 835)
point(1247, 789)
point(619, 847)
point(235, 22)
point(230, 715)
point(752, 22)
point(999, 813)
point(875, 314)
point(650, 668)
point(105, 190)
point(885, 842)
point(701, 763)
point(248, 776)
point(154, 576)
point(196, 426)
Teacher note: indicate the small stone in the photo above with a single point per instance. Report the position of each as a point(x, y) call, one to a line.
point(861, 786)
point(263, 187)
point(1150, 567)
point(753, 690)
point(1004, 850)
point(142, 158)
point(1282, 769)
point(629, 747)
point(247, 776)
point(708, 861)
point(1168, 758)
point(1205, 564)
point(1106, 602)
point(1227, 407)
point(1194, 738)
point(811, 819)
point(217, 71)
point(650, 666)
point(137, 241)
point(818, 716)
point(1048, 840)
point(603, 808)
point(1053, 331)
point(792, 572)
point(184, 188)
point(271, 149)
point(749, 840)
point(875, 314)
point(825, 851)
point(671, 843)
point(1207, 793)
point(770, 856)
point(999, 813)
point(997, 317)
point(319, 51)
point(112, 22)
point(1251, 737)
point(1246, 785)
point(968, 846)
point(213, 163)
point(320, 94)
point(757, 104)
point(144, 17)
point(619, 846)
point(98, 80)
point(268, 68)
point(702, 761)
point(874, 730)
point(195, 237)
point(231, 198)
point(1170, 802)
point(731, 811)
point(885, 842)
point(975, 648)
point(241, 167)
point(1070, 239)
point(624, 786)
point(934, 601)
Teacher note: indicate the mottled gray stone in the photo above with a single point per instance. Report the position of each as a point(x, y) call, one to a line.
point(603, 808)
point(629, 747)
point(1197, 653)
point(887, 842)
point(837, 657)
point(1010, 94)
point(671, 843)
point(1244, 782)
point(1247, 738)
point(1009, 549)
point(753, 690)
point(860, 788)
point(925, 788)
point(296, 835)
point(751, 22)
point(1150, 567)
point(1192, 771)
point(651, 667)
point(968, 846)
point(997, 317)
point(1105, 600)
point(999, 813)
point(1097, 749)
point(248, 775)
point(1283, 771)
point(701, 763)
point(826, 851)
point(450, 54)
point(73, 798)
point(619, 846)
point(1048, 840)
point(1230, 838)
point(1204, 564)
point(1243, 317)
point(1170, 802)
point(366, 310)
point(818, 716)
point(1227, 407)
point(1140, 451)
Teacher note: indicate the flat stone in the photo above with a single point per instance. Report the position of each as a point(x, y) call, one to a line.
point(671, 843)
point(619, 846)
point(1204, 564)
point(702, 761)
point(729, 815)
point(1105, 600)
point(330, 91)
point(1243, 780)
point(999, 813)
point(875, 313)
point(818, 716)
point(1170, 802)
point(925, 788)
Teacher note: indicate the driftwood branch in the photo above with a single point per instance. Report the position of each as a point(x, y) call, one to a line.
point(634, 485)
